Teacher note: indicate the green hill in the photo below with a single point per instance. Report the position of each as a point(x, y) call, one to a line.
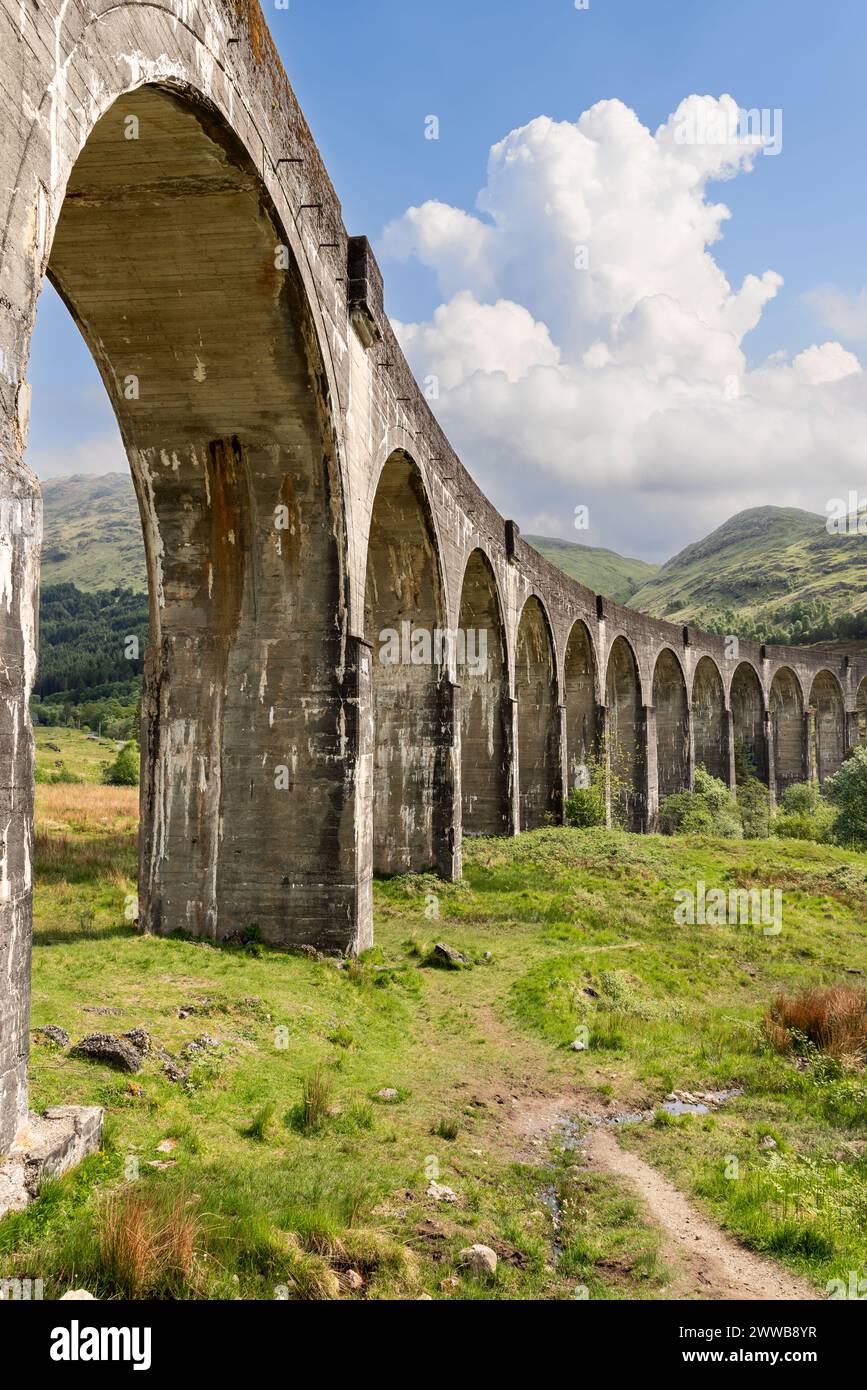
point(603, 571)
point(92, 534)
point(775, 570)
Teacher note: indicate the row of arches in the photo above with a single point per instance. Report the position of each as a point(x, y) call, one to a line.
point(524, 742)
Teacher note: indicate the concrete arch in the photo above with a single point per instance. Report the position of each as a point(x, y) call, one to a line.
point(710, 720)
point(827, 725)
point(788, 731)
point(167, 259)
point(486, 714)
point(405, 626)
point(626, 736)
point(747, 701)
point(671, 714)
point(538, 717)
point(581, 700)
point(398, 440)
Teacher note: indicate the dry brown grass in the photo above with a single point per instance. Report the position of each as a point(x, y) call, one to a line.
point(147, 1247)
point(85, 809)
point(832, 1018)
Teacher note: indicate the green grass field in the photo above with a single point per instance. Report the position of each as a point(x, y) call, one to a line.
point(252, 1190)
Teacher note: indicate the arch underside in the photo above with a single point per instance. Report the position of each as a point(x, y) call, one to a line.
point(627, 738)
point(482, 675)
point(748, 719)
point(829, 726)
point(538, 728)
point(787, 730)
point(709, 720)
point(672, 726)
point(403, 616)
point(166, 254)
point(579, 696)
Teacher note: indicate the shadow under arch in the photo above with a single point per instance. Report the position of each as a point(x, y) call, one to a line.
point(788, 731)
point(626, 750)
point(580, 697)
point(170, 257)
point(709, 720)
point(404, 622)
point(483, 675)
point(748, 719)
point(828, 725)
point(538, 718)
point(671, 705)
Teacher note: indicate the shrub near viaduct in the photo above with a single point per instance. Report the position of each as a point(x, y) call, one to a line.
point(298, 499)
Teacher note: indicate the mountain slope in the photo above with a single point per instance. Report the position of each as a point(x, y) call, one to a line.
point(603, 571)
point(760, 564)
point(92, 534)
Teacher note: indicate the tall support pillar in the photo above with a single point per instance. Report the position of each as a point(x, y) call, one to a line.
point(772, 759)
point(514, 776)
point(561, 790)
point(650, 778)
point(20, 538)
point(359, 777)
point(852, 732)
point(810, 740)
point(690, 748)
point(447, 784)
point(604, 726)
point(729, 749)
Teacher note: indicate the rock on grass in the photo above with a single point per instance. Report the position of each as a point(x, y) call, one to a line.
point(105, 1047)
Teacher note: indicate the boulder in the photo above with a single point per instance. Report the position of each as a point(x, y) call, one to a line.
point(115, 1052)
point(481, 1259)
point(447, 956)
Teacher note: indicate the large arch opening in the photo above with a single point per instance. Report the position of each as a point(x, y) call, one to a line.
point(579, 697)
point(485, 715)
point(403, 622)
point(538, 732)
point(787, 730)
point(748, 718)
point(672, 725)
point(861, 711)
point(828, 713)
point(626, 749)
point(709, 720)
point(170, 258)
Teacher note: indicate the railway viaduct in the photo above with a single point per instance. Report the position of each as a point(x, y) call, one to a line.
point(308, 528)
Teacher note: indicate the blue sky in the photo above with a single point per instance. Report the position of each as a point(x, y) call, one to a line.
point(368, 72)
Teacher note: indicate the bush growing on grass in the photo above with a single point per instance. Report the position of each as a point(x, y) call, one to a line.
point(123, 772)
point(804, 814)
point(832, 1020)
point(62, 777)
point(585, 806)
point(754, 804)
point(708, 810)
point(847, 793)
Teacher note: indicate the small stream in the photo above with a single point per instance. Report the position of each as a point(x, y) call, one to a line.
point(571, 1131)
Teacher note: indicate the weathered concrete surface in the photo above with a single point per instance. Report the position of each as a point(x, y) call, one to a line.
point(298, 499)
point(47, 1146)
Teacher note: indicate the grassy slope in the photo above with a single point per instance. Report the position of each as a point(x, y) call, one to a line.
point(758, 558)
point(92, 533)
point(603, 571)
point(70, 750)
point(560, 912)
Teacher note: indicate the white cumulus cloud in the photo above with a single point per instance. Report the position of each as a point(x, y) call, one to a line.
point(588, 346)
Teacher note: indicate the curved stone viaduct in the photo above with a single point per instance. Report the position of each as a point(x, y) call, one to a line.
point(307, 526)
